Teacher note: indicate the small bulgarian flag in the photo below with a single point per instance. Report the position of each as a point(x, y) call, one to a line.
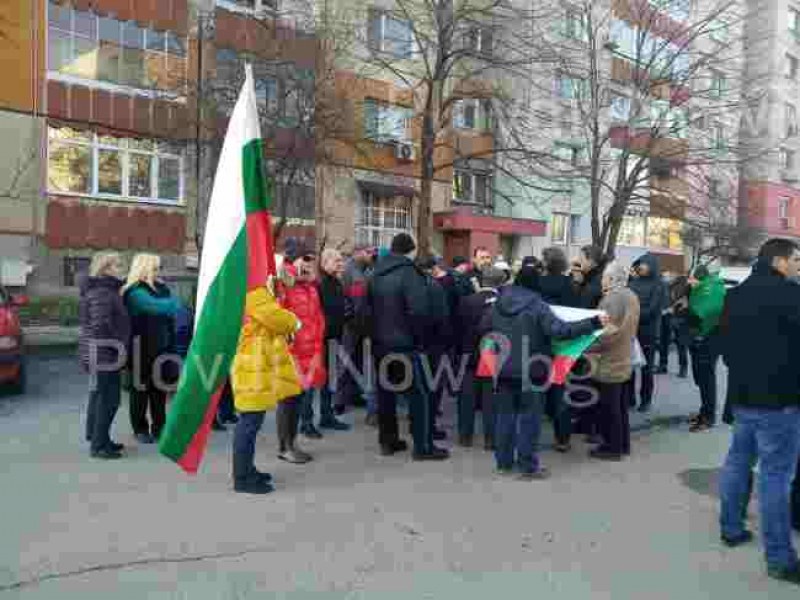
point(238, 255)
point(565, 352)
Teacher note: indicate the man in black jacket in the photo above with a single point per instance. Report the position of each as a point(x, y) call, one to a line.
point(760, 339)
point(474, 320)
point(400, 311)
point(527, 326)
point(652, 294)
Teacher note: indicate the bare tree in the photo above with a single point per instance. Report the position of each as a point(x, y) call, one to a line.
point(647, 107)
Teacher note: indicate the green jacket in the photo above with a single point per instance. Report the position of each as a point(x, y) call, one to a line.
point(706, 301)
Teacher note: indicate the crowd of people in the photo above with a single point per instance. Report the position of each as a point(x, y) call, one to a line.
point(386, 328)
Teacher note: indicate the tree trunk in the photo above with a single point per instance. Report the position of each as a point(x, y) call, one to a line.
point(425, 216)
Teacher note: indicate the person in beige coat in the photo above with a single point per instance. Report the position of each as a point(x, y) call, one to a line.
point(612, 364)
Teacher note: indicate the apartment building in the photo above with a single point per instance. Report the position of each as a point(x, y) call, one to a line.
point(771, 177)
point(116, 116)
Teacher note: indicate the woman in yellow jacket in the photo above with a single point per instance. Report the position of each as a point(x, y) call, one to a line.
point(263, 375)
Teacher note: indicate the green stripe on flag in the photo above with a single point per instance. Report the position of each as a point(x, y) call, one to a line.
point(211, 353)
point(257, 196)
point(575, 347)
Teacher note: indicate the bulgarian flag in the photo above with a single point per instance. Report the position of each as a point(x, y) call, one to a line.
point(495, 349)
point(567, 352)
point(238, 255)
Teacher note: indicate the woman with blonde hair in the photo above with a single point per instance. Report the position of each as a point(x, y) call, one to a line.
point(105, 329)
point(152, 308)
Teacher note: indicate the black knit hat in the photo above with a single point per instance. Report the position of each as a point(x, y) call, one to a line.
point(403, 244)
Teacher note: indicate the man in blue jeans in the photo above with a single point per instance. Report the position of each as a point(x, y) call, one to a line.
point(760, 338)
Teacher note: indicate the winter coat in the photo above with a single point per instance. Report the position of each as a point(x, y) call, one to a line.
point(331, 293)
point(263, 371)
point(611, 354)
point(152, 312)
point(521, 316)
point(679, 296)
point(308, 345)
point(354, 283)
point(102, 317)
point(184, 324)
point(557, 290)
point(438, 331)
point(398, 299)
point(706, 301)
point(652, 294)
point(589, 291)
point(760, 340)
point(474, 321)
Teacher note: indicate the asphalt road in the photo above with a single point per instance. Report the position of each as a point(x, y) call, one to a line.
point(355, 525)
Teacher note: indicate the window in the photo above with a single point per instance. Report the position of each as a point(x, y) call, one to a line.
point(679, 123)
point(569, 153)
point(718, 142)
point(111, 167)
point(714, 190)
point(480, 39)
point(84, 46)
point(621, 38)
point(473, 113)
point(381, 218)
point(783, 212)
point(718, 30)
point(791, 67)
point(575, 229)
point(719, 85)
point(472, 187)
point(571, 87)
point(664, 233)
point(559, 224)
point(794, 22)
point(74, 267)
point(247, 6)
point(386, 122)
point(786, 158)
point(790, 116)
point(576, 26)
point(679, 9)
point(620, 107)
point(390, 35)
point(632, 231)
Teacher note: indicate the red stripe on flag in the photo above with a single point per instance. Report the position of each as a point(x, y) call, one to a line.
point(562, 365)
point(190, 461)
point(260, 249)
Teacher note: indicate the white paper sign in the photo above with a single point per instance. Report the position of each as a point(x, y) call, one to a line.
point(570, 314)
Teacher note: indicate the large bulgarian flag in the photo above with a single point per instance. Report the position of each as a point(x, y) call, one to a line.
point(565, 352)
point(238, 254)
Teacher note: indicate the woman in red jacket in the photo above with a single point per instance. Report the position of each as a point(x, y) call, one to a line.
point(300, 296)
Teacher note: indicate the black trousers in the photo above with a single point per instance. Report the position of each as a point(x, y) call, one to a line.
point(704, 371)
point(104, 399)
point(647, 386)
point(673, 330)
point(146, 397)
point(287, 418)
point(557, 409)
point(613, 420)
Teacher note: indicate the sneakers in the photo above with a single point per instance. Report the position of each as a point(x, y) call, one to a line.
point(733, 542)
point(311, 432)
point(787, 574)
point(539, 475)
point(106, 454)
point(562, 447)
point(700, 424)
point(295, 456)
point(503, 471)
point(434, 454)
point(393, 448)
point(335, 425)
point(252, 485)
point(145, 438)
point(117, 447)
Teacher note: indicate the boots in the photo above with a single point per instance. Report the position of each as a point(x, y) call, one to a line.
point(247, 479)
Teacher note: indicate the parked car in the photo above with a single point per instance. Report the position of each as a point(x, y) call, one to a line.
point(12, 368)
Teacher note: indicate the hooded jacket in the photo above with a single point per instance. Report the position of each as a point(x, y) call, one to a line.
point(473, 322)
point(102, 317)
point(523, 319)
point(589, 292)
point(557, 289)
point(706, 301)
point(760, 339)
point(398, 300)
point(331, 293)
point(263, 371)
point(308, 345)
point(652, 293)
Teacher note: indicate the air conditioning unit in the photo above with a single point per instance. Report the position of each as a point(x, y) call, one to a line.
point(404, 151)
